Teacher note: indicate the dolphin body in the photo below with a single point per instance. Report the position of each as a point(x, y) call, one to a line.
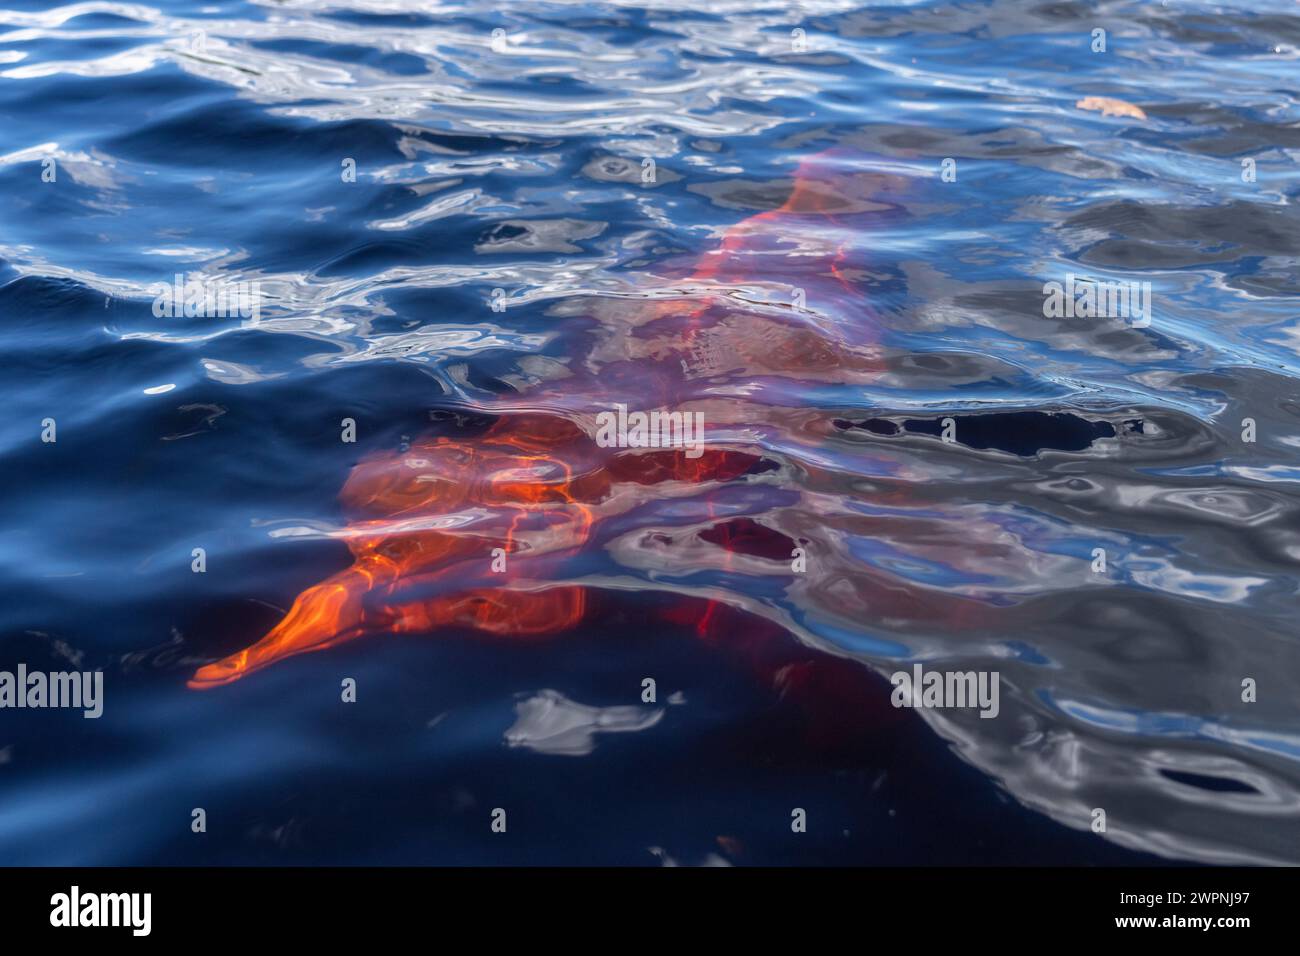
point(484, 532)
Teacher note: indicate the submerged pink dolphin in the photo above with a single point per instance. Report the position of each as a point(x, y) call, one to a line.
point(482, 532)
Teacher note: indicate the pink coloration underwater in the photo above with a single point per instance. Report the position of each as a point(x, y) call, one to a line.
point(478, 533)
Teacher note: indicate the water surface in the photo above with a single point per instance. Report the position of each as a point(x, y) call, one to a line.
point(210, 139)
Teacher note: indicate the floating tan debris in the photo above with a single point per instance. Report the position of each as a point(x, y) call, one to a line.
point(1111, 107)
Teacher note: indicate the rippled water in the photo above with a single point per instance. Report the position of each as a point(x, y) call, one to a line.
point(794, 267)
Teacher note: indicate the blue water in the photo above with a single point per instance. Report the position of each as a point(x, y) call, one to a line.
point(211, 140)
